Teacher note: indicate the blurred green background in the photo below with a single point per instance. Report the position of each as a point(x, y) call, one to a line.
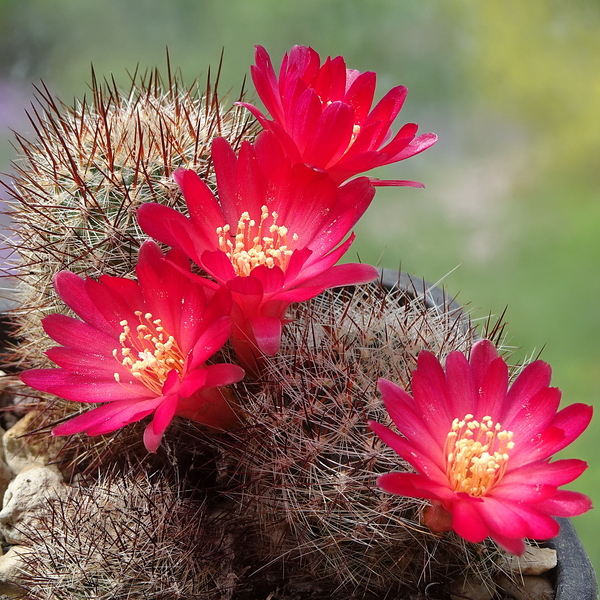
point(510, 216)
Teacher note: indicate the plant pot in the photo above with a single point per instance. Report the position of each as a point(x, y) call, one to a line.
point(574, 575)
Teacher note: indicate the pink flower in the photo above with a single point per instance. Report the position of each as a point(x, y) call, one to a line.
point(482, 448)
point(272, 237)
point(140, 347)
point(322, 115)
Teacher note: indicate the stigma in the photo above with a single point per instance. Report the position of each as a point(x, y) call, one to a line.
point(148, 352)
point(255, 243)
point(477, 454)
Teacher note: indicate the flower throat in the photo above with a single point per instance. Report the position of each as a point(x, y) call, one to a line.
point(256, 244)
point(477, 454)
point(148, 352)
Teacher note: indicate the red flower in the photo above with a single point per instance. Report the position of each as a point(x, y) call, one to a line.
point(141, 347)
point(272, 237)
point(322, 115)
point(482, 449)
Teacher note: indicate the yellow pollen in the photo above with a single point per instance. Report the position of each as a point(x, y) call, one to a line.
point(148, 352)
point(477, 454)
point(255, 244)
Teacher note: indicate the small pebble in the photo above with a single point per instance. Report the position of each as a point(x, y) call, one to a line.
point(535, 561)
point(529, 587)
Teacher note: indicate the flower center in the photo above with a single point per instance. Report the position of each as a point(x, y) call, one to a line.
point(148, 352)
point(256, 243)
point(476, 454)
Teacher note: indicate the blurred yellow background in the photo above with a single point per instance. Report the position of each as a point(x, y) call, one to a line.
point(510, 216)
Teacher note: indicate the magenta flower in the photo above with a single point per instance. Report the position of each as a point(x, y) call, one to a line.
point(322, 115)
point(481, 448)
point(272, 237)
point(141, 348)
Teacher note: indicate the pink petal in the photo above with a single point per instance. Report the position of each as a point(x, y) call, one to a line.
point(535, 415)
point(556, 473)
point(565, 503)
point(72, 333)
point(333, 134)
point(413, 486)
point(360, 95)
point(108, 417)
point(540, 526)
point(203, 207)
point(401, 408)
point(573, 420)
point(191, 383)
point(462, 393)
point(431, 395)
point(483, 353)
point(83, 388)
point(267, 332)
point(71, 289)
point(419, 461)
point(223, 374)
point(492, 386)
point(521, 491)
point(272, 279)
point(513, 545)
point(530, 381)
point(170, 227)
point(340, 275)
point(211, 340)
point(85, 363)
point(162, 419)
point(502, 519)
point(218, 265)
point(467, 521)
point(538, 449)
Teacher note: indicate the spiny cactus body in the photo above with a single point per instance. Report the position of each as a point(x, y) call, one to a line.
point(78, 185)
point(304, 470)
point(128, 536)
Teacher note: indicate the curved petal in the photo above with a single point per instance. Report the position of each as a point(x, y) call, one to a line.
point(462, 393)
point(420, 462)
point(267, 333)
point(492, 385)
point(71, 333)
point(223, 374)
point(501, 518)
point(565, 503)
point(483, 353)
point(431, 395)
point(72, 291)
point(556, 473)
point(83, 388)
point(162, 419)
point(414, 486)
point(205, 212)
point(108, 417)
point(530, 381)
point(468, 522)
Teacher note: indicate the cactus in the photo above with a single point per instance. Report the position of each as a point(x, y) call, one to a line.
point(303, 471)
point(297, 482)
point(128, 536)
point(78, 185)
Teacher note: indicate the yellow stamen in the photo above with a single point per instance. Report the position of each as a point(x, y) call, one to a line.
point(148, 352)
point(477, 454)
point(256, 244)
